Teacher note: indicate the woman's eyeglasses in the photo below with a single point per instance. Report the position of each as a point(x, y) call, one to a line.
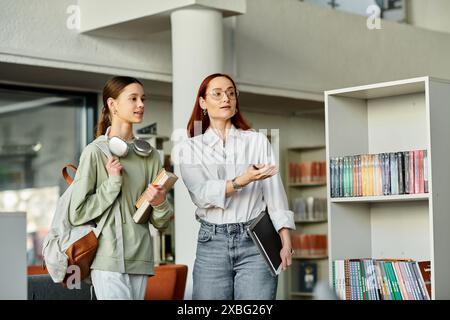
point(217, 94)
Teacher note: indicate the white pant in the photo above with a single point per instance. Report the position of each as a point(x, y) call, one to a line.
point(110, 285)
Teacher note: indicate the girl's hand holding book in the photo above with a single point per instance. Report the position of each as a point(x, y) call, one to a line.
point(155, 194)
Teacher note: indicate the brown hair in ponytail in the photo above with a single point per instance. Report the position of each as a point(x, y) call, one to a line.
point(112, 89)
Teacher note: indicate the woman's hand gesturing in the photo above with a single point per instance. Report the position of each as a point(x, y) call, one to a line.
point(261, 172)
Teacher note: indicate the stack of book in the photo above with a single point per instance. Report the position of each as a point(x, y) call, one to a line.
point(390, 279)
point(309, 209)
point(309, 245)
point(307, 172)
point(379, 174)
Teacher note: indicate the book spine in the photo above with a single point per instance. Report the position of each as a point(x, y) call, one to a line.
point(401, 173)
point(368, 275)
point(333, 275)
point(389, 281)
point(406, 165)
point(375, 284)
point(412, 283)
point(386, 281)
point(394, 281)
point(350, 177)
point(416, 172)
point(359, 192)
point(411, 172)
point(355, 175)
point(380, 287)
point(375, 175)
point(332, 179)
point(420, 281)
point(343, 280)
point(383, 172)
point(400, 281)
point(365, 175)
point(340, 280)
point(371, 175)
point(380, 175)
point(408, 288)
point(341, 176)
point(421, 180)
point(348, 292)
point(347, 177)
point(363, 284)
point(394, 173)
point(425, 170)
point(354, 281)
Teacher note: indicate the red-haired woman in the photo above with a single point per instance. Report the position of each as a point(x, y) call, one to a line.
point(216, 165)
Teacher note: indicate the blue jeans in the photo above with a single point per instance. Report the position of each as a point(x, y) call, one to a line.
point(229, 266)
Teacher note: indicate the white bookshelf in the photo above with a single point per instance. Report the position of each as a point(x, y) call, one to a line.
point(314, 189)
point(386, 117)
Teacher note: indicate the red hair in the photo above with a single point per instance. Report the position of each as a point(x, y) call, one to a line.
point(197, 114)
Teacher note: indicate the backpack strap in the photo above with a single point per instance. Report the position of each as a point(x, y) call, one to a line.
point(66, 176)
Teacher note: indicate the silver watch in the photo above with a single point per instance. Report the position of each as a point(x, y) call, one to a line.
point(236, 186)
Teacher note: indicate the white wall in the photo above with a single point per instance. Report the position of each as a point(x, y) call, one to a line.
point(303, 47)
point(306, 49)
point(432, 15)
point(35, 32)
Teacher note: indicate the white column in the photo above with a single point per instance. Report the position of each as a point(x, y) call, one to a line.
point(197, 51)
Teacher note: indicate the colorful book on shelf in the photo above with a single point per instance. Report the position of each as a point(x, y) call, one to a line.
point(390, 173)
point(144, 209)
point(380, 279)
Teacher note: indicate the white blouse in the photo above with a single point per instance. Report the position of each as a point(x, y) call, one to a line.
point(207, 164)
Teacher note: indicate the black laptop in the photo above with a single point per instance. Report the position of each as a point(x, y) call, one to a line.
point(267, 240)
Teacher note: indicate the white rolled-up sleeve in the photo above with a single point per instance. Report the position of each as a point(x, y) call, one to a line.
point(277, 204)
point(204, 192)
point(274, 193)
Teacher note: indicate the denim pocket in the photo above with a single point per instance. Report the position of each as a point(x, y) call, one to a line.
point(204, 235)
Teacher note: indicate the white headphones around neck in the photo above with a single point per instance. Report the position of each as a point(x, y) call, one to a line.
point(120, 147)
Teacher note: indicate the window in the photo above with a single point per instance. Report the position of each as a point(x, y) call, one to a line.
point(40, 131)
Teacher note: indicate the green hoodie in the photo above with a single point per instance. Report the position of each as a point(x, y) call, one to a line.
point(93, 194)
